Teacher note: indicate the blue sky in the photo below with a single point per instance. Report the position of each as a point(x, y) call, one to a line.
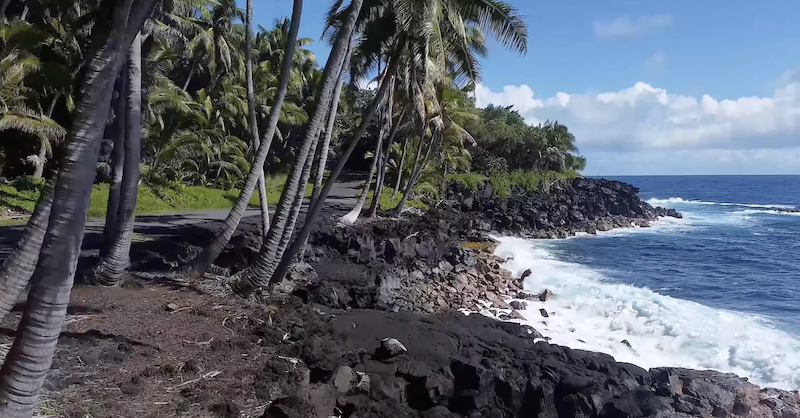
point(648, 87)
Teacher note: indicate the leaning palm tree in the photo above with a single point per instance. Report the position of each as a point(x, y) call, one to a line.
point(117, 257)
point(31, 354)
point(17, 269)
point(322, 151)
point(439, 31)
point(257, 274)
point(251, 107)
point(203, 261)
point(385, 110)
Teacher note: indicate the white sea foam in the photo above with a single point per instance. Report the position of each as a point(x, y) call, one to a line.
point(768, 212)
point(589, 312)
point(678, 200)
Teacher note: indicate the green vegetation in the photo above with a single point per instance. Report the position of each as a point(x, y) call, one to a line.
point(389, 200)
point(150, 200)
point(503, 184)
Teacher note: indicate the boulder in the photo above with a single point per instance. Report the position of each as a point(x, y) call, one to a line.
point(345, 380)
point(515, 304)
point(392, 347)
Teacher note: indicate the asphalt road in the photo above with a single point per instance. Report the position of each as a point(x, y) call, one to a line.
point(340, 201)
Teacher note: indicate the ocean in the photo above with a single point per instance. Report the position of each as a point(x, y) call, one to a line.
point(718, 289)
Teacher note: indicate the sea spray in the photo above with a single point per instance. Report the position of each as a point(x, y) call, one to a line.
point(636, 325)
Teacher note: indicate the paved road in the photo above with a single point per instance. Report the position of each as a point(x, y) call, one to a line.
point(340, 201)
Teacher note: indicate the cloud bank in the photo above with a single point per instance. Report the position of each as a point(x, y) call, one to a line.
point(671, 133)
point(628, 27)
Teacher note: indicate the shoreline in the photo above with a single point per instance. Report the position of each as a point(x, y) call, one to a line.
point(369, 327)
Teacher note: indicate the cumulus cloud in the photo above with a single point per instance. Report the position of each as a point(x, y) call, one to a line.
point(647, 120)
point(628, 27)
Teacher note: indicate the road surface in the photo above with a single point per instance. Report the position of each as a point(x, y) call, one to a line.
point(340, 201)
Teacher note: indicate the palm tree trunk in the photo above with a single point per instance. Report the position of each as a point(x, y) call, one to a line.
point(298, 202)
point(416, 173)
point(203, 261)
point(40, 159)
point(31, 354)
point(16, 271)
point(256, 274)
point(314, 211)
point(400, 167)
point(189, 78)
point(322, 152)
point(352, 216)
point(24, 14)
point(376, 197)
point(411, 182)
point(111, 227)
point(117, 260)
point(251, 106)
point(333, 109)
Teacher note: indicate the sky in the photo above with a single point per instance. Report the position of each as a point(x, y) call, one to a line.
point(647, 87)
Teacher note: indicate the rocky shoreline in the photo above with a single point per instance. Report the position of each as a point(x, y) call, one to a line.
point(373, 325)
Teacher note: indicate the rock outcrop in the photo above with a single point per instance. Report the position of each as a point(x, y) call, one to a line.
point(471, 366)
point(565, 208)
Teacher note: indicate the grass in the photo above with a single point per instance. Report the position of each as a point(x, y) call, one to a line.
point(503, 184)
point(152, 200)
point(390, 200)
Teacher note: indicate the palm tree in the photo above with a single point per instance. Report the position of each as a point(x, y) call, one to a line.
point(448, 109)
point(17, 269)
point(31, 354)
point(16, 64)
point(379, 185)
point(351, 217)
point(112, 224)
point(251, 106)
point(203, 261)
point(117, 257)
point(257, 274)
point(322, 152)
point(416, 32)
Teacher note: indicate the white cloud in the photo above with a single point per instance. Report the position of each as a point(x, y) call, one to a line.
point(652, 123)
point(367, 84)
point(627, 27)
point(656, 61)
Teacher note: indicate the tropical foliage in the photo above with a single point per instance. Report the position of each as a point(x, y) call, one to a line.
point(183, 93)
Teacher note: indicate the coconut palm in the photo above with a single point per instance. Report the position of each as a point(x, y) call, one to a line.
point(257, 274)
point(251, 107)
point(117, 257)
point(205, 258)
point(419, 34)
point(17, 269)
point(31, 354)
point(16, 64)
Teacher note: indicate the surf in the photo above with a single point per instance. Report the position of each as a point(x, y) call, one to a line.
point(590, 310)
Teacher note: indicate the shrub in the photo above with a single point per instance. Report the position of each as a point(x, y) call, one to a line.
point(488, 164)
point(28, 183)
point(503, 185)
point(471, 181)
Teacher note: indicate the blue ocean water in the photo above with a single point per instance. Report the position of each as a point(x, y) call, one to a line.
point(717, 289)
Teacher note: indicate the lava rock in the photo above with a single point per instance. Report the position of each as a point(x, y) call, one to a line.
point(515, 304)
point(392, 347)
